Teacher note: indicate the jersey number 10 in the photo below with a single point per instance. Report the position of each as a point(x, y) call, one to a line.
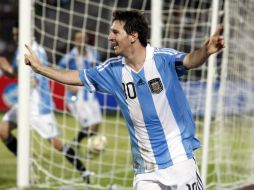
point(129, 90)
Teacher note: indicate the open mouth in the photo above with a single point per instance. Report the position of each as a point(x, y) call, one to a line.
point(114, 46)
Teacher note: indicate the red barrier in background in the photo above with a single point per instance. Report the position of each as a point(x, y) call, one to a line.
point(9, 92)
point(57, 91)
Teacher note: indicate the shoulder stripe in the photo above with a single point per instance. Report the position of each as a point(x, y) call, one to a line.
point(166, 50)
point(167, 53)
point(108, 62)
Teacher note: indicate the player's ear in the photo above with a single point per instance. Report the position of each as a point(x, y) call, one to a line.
point(134, 37)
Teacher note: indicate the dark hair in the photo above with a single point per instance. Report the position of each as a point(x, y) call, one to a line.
point(134, 22)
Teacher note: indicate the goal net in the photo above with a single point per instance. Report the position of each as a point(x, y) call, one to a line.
point(234, 122)
point(186, 24)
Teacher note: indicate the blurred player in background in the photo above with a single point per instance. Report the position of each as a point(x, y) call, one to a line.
point(83, 105)
point(145, 82)
point(42, 117)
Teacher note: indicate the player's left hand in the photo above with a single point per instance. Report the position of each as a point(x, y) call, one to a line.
point(215, 42)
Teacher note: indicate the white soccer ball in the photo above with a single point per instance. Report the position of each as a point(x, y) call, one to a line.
point(96, 144)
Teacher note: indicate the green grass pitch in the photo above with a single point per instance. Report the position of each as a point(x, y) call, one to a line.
point(105, 160)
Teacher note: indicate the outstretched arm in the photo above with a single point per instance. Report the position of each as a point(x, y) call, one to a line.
point(214, 44)
point(70, 77)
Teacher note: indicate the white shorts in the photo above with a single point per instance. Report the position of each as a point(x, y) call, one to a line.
point(45, 124)
point(181, 176)
point(86, 112)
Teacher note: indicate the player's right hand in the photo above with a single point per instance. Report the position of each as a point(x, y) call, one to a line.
point(32, 60)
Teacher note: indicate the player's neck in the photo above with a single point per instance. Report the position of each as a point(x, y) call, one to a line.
point(136, 58)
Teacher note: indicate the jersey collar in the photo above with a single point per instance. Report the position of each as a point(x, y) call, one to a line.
point(149, 54)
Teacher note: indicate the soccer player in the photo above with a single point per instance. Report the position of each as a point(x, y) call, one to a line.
point(144, 81)
point(83, 105)
point(42, 117)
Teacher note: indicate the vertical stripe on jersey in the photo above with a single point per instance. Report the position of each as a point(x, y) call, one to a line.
point(156, 137)
point(169, 115)
point(138, 162)
point(138, 131)
point(137, 155)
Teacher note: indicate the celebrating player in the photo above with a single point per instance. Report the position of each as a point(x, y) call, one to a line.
point(83, 105)
point(42, 117)
point(144, 81)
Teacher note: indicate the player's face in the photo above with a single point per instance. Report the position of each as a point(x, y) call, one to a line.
point(79, 39)
point(15, 34)
point(120, 40)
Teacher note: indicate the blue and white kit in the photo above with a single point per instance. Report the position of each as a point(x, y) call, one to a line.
point(41, 105)
point(158, 116)
point(84, 105)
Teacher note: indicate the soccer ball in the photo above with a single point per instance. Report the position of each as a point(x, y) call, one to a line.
point(96, 144)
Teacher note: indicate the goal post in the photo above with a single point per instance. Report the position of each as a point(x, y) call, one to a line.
point(156, 23)
point(23, 162)
point(209, 94)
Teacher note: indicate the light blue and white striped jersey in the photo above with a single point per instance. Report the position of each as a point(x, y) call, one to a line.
point(158, 116)
point(41, 102)
point(73, 61)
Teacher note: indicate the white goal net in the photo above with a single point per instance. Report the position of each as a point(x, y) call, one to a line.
point(186, 24)
point(234, 122)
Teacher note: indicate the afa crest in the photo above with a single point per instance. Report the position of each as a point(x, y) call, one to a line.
point(155, 85)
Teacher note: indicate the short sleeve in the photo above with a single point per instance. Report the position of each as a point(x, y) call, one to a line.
point(179, 67)
point(96, 79)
